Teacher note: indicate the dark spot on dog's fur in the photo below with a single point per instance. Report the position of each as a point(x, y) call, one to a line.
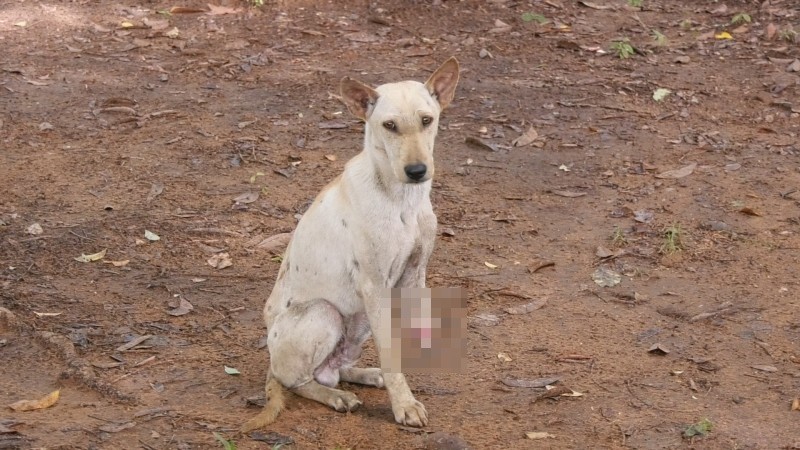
point(410, 264)
point(288, 303)
point(296, 268)
point(274, 334)
point(356, 266)
point(391, 272)
point(344, 223)
point(402, 219)
point(379, 181)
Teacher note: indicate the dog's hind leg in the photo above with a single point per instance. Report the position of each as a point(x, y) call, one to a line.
point(304, 344)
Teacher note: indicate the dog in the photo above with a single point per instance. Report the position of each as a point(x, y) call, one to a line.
point(370, 229)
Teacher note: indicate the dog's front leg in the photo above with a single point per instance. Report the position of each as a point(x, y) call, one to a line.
point(407, 410)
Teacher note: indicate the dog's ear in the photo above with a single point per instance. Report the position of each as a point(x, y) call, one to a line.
point(358, 97)
point(442, 84)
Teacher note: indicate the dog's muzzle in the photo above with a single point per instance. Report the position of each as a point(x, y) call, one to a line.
point(416, 172)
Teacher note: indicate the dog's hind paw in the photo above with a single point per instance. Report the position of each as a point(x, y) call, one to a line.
point(344, 401)
point(411, 413)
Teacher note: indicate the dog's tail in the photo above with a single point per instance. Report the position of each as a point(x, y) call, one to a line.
point(274, 405)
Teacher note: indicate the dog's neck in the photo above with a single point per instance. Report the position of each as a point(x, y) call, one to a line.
point(371, 171)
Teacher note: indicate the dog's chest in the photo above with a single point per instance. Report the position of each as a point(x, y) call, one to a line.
point(404, 253)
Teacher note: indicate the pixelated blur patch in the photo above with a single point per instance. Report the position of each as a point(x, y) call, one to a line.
point(428, 329)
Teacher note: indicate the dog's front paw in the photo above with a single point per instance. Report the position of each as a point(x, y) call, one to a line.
point(411, 413)
point(345, 401)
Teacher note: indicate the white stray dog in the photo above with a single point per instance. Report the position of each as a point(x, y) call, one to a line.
point(370, 229)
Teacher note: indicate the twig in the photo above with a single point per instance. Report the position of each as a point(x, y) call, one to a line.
point(722, 309)
point(81, 237)
point(633, 394)
point(592, 105)
point(757, 377)
point(216, 231)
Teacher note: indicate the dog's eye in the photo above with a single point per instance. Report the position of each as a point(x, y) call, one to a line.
point(427, 121)
point(390, 125)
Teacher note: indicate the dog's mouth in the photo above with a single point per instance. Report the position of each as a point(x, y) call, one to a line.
point(409, 181)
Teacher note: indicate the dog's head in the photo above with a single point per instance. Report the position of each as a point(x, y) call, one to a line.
point(402, 119)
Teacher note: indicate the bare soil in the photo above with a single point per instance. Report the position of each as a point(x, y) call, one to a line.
point(116, 119)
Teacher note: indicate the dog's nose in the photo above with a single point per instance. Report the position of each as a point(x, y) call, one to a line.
point(416, 171)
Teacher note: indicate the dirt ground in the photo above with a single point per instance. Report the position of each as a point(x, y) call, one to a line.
point(213, 130)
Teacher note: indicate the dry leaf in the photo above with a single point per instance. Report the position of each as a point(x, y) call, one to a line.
point(34, 229)
point(47, 314)
point(185, 10)
point(770, 369)
point(36, 83)
point(275, 243)
point(750, 212)
point(772, 29)
point(183, 308)
point(156, 24)
point(539, 435)
point(247, 197)
point(603, 252)
point(606, 277)
point(572, 394)
point(117, 427)
point(720, 10)
point(796, 404)
point(362, 37)
point(122, 263)
point(595, 5)
point(526, 308)
point(417, 52)
point(526, 138)
point(155, 190)
point(643, 216)
point(480, 143)
point(534, 383)
point(332, 125)
point(724, 35)
point(489, 265)
point(568, 194)
point(678, 173)
point(42, 403)
point(706, 36)
point(330, 157)
point(214, 10)
point(658, 349)
point(93, 257)
point(137, 340)
point(552, 392)
point(504, 357)
point(220, 261)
